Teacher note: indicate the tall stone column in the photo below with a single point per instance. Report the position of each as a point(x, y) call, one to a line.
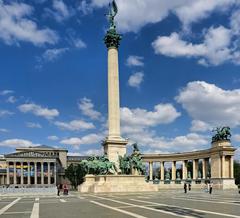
point(114, 145)
point(223, 166)
point(55, 173)
point(184, 169)
point(195, 169)
point(42, 174)
point(8, 178)
point(162, 170)
point(14, 174)
point(35, 173)
point(49, 178)
point(204, 169)
point(174, 170)
point(21, 173)
point(150, 171)
point(231, 167)
point(28, 175)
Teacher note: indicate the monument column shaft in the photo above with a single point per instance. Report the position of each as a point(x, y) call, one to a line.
point(113, 94)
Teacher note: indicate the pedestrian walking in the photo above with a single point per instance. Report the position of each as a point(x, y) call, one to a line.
point(210, 188)
point(58, 189)
point(185, 187)
point(189, 186)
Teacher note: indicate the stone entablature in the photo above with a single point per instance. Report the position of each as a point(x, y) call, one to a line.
point(217, 164)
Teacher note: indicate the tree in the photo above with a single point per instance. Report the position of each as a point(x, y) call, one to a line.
point(237, 172)
point(75, 174)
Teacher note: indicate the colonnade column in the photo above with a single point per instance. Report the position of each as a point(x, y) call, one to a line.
point(14, 173)
point(204, 169)
point(35, 173)
point(223, 166)
point(28, 175)
point(231, 167)
point(42, 174)
point(162, 170)
point(174, 170)
point(184, 169)
point(8, 180)
point(49, 179)
point(150, 171)
point(55, 173)
point(21, 173)
point(195, 169)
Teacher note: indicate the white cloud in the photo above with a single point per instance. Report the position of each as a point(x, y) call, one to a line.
point(75, 125)
point(151, 141)
point(136, 61)
point(4, 130)
point(200, 126)
point(53, 138)
point(4, 113)
point(13, 143)
point(90, 152)
point(236, 137)
point(33, 125)
point(16, 26)
point(11, 99)
point(78, 43)
point(38, 110)
point(60, 11)
point(235, 22)
point(85, 140)
point(86, 106)
point(6, 92)
point(84, 7)
point(141, 118)
point(53, 54)
point(214, 50)
point(211, 104)
point(194, 11)
point(136, 79)
point(135, 14)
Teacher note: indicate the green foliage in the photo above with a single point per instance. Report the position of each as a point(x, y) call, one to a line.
point(237, 172)
point(134, 161)
point(75, 174)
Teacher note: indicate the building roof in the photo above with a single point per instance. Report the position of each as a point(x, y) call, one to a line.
point(41, 148)
point(77, 158)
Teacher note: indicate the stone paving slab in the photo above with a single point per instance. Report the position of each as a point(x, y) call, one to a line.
point(140, 205)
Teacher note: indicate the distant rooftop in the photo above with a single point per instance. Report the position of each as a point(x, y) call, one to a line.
point(40, 147)
point(77, 158)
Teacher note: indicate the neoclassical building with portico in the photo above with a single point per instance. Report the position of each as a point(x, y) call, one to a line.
point(40, 166)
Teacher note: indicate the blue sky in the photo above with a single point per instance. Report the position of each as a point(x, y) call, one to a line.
point(179, 73)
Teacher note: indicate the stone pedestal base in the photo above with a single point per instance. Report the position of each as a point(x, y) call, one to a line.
point(116, 183)
point(224, 184)
point(115, 147)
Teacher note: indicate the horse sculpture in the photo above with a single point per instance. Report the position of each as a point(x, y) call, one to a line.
point(222, 133)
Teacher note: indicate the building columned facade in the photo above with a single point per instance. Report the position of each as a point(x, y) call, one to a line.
point(40, 166)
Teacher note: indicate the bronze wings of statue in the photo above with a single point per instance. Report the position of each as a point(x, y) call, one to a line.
point(113, 10)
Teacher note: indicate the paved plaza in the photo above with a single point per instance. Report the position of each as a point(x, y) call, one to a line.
point(140, 205)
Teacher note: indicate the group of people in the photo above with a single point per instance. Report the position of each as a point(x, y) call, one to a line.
point(60, 187)
point(208, 188)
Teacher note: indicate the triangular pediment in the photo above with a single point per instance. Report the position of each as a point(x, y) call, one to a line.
point(26, 154)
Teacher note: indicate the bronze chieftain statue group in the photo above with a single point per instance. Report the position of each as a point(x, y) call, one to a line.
point(221, 133)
